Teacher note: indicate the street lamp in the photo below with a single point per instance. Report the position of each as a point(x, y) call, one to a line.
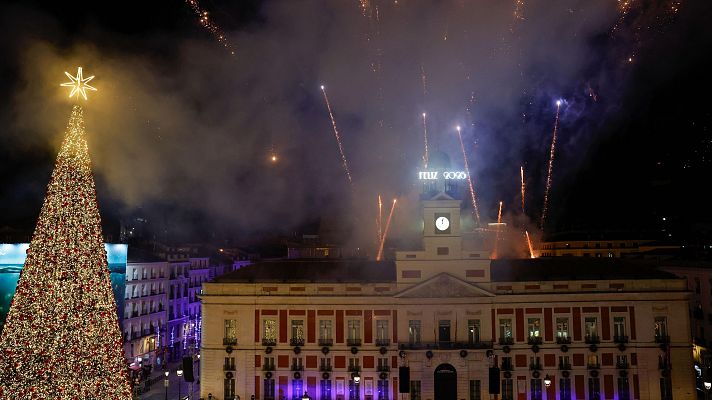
point(708, 385)
point(306, 396)
point(547, 380)
point(180, 374)
point(165, 383)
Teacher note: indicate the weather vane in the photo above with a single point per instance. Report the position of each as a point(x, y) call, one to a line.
point(78, 84)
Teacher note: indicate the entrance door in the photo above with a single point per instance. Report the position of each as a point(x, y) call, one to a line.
point(445, 382)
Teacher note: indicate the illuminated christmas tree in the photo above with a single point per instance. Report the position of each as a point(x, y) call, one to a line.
point(62, 338)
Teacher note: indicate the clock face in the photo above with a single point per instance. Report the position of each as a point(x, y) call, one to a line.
point(442, 223)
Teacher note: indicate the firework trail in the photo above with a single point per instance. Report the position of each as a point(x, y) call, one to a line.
point(379, 220)
point(425, 137)
point(336, 134)
point(424, 80)
point(499, 229)
point(529, 244)
point(211, 26)
point(521, 174)
point(475, 209)
point(552, 153)
point(385, 232)
point(499, 214)
point(468, 109)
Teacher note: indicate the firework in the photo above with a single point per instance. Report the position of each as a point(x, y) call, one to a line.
point(552, 153)
point(379, 220)
point(385, 232)
point(529, 244)
point(425, 138)
point(521, 174)
point(499, 214)
point(209, 25)
point(468, 109)
point(475, 209)
point(424, 80)
point(336, 134)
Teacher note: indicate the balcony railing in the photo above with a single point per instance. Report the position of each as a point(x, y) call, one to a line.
point(593, 365)
point(564, 366)
point(229, 341)
point(592, 339)
point(229, 367)
point(563, 340)
point(269, 341)
point(297, 367)
point(383, 368)
point(296, 342)
point(354, 368)
point(506, 341)
point(507, 366)
point(324, 368)
point(326, 342)
point(662, 339)
point(383, 342)
point(622, 365)
point(353, 342)
point(620, 338)
point(535, 366)
point(532, 340)
point(268, 367)
point(445, 345)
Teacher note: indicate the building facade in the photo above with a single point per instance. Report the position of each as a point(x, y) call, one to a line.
point(446, 323)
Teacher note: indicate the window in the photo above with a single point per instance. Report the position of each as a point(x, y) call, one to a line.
point(665, 388)
point(381, 329)
point(414, 331)
point(536, 389)
point(444, 330)
point(565, 389)
point(473, 331)
point(618, 327)
point(593, 361)
point(475, 390)
point(297, 364)
point(326, 389)
point(268, 364)
point(269, 330)
point(325, 364)
point(382, 387)
point(354, 364)
point(325, 329)
point(230, 329)
point(591, 327)
point(415, 391)
point(297, 388)
point(562, 328)
point(229, 364)
point(354, 390)
point(594, 389)
point(660, 328)
point(564, 362)
point(534, 327)
point(354, 329)
point(298, 329)
point(507, 389)
point(697, 285)
point(229, 388)
point(505, 328)
point(268, 385)
point(623, 389)
point(535, 362)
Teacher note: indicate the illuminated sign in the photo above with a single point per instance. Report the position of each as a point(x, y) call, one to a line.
point(434, 175)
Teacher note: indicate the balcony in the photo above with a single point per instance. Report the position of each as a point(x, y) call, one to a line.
point(268, 367)
point(269, 341)
point(535, 366)
point(383, 368)
point(662, 339)
point(445, 345)
point(622, 365)
point(592, 339)
point(353, 342)
point(507, 365)
point(297, 367)
point(593, 365)
point(326, 342)
point(296, 342)
point(229, 367)
point(354, 368)
point(229, 341)
point(534, 340)
point(383, 342)
point(564, 366)
point(563, 340)
point(506, 341)
point(620, 339)
point(325, 368)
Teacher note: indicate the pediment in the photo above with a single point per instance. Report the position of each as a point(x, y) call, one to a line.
point(444, 285)
point(442, 196)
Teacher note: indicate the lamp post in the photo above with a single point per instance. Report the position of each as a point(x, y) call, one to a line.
point(708, 386)
point(165, 383)
point(306, 396)
point(547, 383)
point(180, 375)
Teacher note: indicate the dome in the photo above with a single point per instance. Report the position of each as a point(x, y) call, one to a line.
point(438, 160)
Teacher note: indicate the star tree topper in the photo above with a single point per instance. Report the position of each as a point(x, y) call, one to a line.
point(78, 84)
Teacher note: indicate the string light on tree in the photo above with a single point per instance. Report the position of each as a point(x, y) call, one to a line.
point(62, 337)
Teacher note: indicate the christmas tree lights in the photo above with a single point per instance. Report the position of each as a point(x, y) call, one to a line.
point(62, 339)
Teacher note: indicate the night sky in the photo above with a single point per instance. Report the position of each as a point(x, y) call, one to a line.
point(182, 131)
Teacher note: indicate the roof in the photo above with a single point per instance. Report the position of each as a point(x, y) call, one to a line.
point(574, 268)
point(601, 236)
point(313, 270)
point(137, 255)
